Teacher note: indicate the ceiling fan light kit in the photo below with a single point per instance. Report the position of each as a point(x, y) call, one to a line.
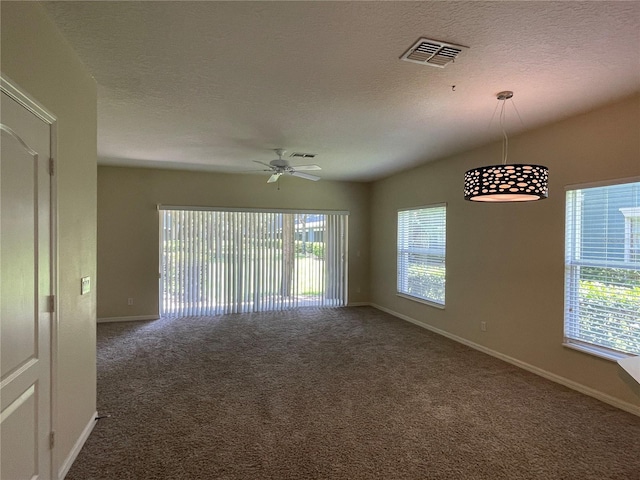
point(506, 182)
point(280, 166)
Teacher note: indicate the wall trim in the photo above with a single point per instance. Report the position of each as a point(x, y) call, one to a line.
point(358, 304)
point(134, 318)
point(627, 407)
point(73, 454)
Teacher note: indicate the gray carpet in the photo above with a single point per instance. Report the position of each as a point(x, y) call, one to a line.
point(350, 393)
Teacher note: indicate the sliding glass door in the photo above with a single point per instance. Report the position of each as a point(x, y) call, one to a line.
point(215, 261)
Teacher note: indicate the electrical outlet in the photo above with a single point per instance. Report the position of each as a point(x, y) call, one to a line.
point(483, 326)
point(129, 301)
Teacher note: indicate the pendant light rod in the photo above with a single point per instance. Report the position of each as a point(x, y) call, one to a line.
point(504, 96)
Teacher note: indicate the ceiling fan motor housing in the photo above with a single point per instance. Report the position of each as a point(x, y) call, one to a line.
point(279, 163)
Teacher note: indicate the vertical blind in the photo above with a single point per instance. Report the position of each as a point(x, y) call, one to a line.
point(215, 262)
point(602, 269)
point(421, 253)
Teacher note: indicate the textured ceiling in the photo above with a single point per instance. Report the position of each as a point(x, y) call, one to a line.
point(215, 85)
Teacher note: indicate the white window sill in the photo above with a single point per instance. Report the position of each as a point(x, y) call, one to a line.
point(595, 351)
point(632, 366)
point(421, 300)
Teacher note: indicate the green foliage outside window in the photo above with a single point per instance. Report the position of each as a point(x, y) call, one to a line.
point(315, 249)
point(609, 313)
point(426, 281)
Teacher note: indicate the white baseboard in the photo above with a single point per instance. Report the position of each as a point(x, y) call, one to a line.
point(66, 465)
point(358, 304)
point(627, 407)
point(135, 318)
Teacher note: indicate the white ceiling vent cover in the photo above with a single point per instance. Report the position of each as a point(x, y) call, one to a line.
point(432, 52)
point(302, 155)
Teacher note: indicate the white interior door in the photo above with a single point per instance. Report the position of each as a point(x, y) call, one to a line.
point(25, 289)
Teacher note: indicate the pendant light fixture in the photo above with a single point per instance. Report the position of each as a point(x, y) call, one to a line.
point(507, 182)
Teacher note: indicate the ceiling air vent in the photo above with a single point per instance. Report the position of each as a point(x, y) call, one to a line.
point(432, 52)
point(302, 155)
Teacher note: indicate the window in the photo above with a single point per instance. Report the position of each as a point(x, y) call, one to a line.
point(421, 253)
point(214, 262)
point(602, 270)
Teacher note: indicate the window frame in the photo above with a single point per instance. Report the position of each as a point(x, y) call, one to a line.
point(400, 292)
point(571, 275)
point(631, 224)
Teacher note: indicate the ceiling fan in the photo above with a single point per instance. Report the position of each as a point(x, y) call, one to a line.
point(279, 167)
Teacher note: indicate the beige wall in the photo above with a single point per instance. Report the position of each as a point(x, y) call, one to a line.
point(38, 59)
point(128, 224)
point(505, 262)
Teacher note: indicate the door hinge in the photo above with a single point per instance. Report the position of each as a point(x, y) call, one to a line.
point(52, 440)
point(51, 166)
point(52, 303)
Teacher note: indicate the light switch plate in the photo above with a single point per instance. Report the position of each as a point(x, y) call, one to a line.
point(85, 285)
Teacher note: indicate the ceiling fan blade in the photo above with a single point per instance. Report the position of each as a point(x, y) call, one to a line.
point(274, 177)
point(305, 175)
point(265, 164)
point(307, 167)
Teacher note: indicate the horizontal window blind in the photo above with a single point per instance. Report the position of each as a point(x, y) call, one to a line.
point(421, 253)
point(602, 268)
point(215, 262)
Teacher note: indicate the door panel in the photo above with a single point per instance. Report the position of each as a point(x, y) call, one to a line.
point(18, 229)
point(25, 286)
point(19, 425)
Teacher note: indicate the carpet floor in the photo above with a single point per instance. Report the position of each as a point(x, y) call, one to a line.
point(349, 393)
